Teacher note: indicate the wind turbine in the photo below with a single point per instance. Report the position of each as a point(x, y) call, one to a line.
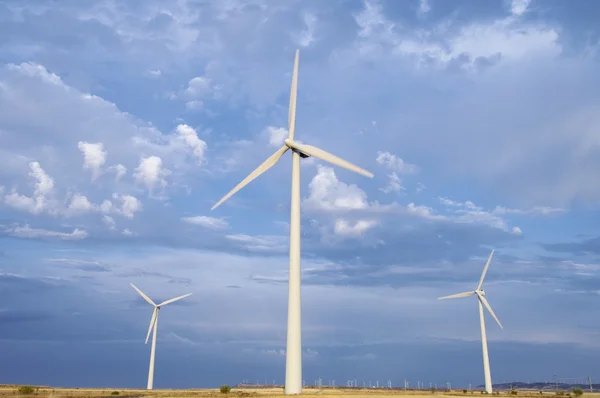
point(293, 360)
point(153, 326)
point(482, 302)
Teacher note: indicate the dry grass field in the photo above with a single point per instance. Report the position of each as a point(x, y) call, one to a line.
point(13, 391)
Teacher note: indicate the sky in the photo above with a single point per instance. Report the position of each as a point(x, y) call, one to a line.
point(122, 123)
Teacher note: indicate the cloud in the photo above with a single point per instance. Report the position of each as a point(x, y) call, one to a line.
point(307, 36)
point(394, 163)
point(424, 7)
point(151, 172)
point(276, 135)
point(519, 7)
point(191, 138)
point(110, 222)
point(506, 38)
point(207, 222)
point(40, 201)
point(25, 231)
point(342, 227)
point(94, 157)
point(328, 193)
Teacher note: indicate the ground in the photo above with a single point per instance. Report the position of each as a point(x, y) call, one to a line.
point(11, 390)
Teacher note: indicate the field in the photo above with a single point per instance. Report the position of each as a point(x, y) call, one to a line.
point(12, 391)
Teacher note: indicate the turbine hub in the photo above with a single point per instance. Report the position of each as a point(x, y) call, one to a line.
point(482, 292)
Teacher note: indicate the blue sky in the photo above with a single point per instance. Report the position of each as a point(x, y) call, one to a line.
point(121, 124)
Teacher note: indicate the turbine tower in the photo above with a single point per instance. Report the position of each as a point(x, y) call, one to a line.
point(482, 302)
point(152, 328)
point(293, 360)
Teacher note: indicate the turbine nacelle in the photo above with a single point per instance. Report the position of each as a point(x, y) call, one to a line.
point(293, 146)
point(481, 292)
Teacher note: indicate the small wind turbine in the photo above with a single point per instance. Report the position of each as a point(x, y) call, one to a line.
point(482, 302)
point(293, 353)
point(153, 326)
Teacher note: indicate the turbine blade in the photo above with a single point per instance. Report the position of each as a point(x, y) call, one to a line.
point(457, 295)
point(174, 299)
point(143, 295)
point(489, 308)
point(328, 157)
point(152, 320)
point(485, 271)
point(266, 165)
point(293, 94)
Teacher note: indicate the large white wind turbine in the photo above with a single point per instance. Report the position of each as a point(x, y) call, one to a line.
point(293, 362)
point(152, 328)
point(482, 302)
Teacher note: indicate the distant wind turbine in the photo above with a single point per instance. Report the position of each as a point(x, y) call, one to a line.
point(293, 360)
point(482, 302)
point(153, 326)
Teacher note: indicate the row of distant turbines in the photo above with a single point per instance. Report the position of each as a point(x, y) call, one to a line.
point(293, 363)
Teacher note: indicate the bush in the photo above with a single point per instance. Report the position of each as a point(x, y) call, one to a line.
point(578, 391)
point(513, 392)
point(432, 390)
point(114, 393)
point(225, 389)
point(26, 390)
point(560, 393)
point(464, 391)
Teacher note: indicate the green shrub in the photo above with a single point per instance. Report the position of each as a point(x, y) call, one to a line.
point(225, 389)
point(513, 392)
point(114, 393)
point(578, 391)
point(432, 390)
point(464, 391)
point(560, 393)
point(26, 390)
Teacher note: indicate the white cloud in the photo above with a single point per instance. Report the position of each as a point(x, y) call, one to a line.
point(508, 38)
point(80, 204)
point(110, 222)
point(198, 87)
point(154, 72)
point(536, 210)
point(129, 205)
point(519, 7)
point(94, 157)
point(151, 172)
point(194, 105)
point(345, 228)
point(190, 136)
point(26, 231)
point(307, 36)
point(517, 231)
point(207, 222)
point(326, 192)
point(45, 183)
point(119, 171)
point(128, 232)
point(423, 212)
point(394, 183)
point(395, 163)
point(276, 135)
point(40, 201)
point(260, 243)
point(469, 212)
point(424, 7)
